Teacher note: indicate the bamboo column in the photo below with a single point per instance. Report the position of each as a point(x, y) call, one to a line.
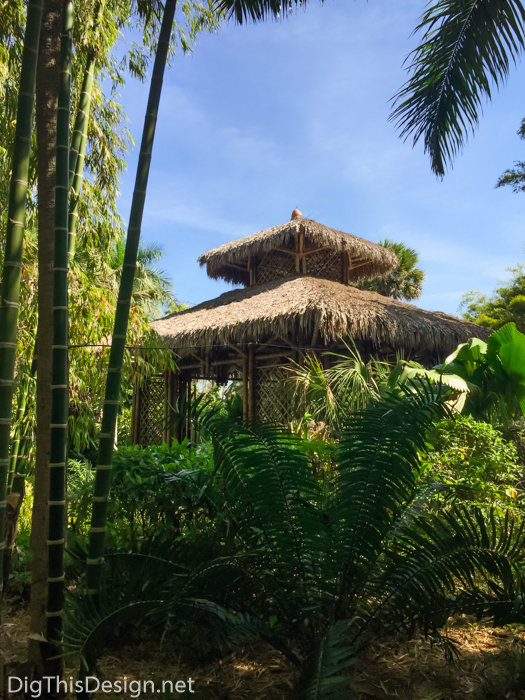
point(78, 152)
point(97, 531)
point(11, 273)
point(59, 386)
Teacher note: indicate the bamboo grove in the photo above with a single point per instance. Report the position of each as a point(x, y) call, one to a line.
point(89, 33)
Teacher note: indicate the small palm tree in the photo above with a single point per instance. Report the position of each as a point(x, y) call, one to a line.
point(317, 574)
point(405, 281)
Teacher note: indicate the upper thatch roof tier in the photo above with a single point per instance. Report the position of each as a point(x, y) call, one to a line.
point(231, 260)
point(302, 304)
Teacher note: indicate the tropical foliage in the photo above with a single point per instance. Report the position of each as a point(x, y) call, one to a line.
point(467, 48)
point(316, 575)
point(405, 281)
point(515, 177)
point(494, 373)
point(506, 305)
point(474, 456)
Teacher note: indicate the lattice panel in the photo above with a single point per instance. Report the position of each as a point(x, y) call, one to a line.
point(152, 412)
point(275, 265)
point(273, 395)
point(327, 264)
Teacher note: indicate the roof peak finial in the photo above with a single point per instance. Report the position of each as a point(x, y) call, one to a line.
point(296, 214)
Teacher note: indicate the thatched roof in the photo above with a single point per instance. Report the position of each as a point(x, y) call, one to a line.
point(224, 262)
point(281, 306)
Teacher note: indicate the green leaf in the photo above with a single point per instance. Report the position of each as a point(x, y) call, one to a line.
point(466, 49)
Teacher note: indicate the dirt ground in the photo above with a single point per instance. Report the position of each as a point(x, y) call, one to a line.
point(491, 666)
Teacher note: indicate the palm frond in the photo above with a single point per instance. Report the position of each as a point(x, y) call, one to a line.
point(467, 46)
point(448, 560)
point(256, 10)
point(379, 457)
point(269, 489)
point(326, 661)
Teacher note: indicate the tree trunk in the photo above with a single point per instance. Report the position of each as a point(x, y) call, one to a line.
point(97, 530)
point(11, 273)
point(46, 122)
point(59, 388)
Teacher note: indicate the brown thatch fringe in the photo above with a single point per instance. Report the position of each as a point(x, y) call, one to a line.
point(217, 261)
point(282, 306)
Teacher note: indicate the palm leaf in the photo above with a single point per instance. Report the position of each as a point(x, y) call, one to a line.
point(467, 46)
point(506, 351)
point(444, 561)
point(256, 10)
point(270, 491)
point(379, 457)
point(326, 660)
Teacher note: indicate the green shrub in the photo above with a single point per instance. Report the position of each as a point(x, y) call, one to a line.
point(471, 453)
point(138, 507)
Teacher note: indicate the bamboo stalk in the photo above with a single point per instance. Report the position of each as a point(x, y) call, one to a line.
point(59, 385)
point(77, 152)
point(97, 530)
point(15, 442)
point(10, 290)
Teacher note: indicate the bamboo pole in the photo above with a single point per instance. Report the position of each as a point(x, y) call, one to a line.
point(10, 289)
point(78, 152)
point(59, 382)
point(97, 530)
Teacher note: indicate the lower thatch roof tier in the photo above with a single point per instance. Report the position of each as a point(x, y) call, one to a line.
point(302, 304)
point(230, 261)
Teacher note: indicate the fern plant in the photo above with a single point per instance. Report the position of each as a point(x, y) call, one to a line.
point(318, 574)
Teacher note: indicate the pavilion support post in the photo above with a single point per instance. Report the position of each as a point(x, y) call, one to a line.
point(180, 388)
point(346, 267)
point(171, 401)
point(188, 409)
point(135, 415)
point(167, 395)
point(245, 381)
point(251, 384)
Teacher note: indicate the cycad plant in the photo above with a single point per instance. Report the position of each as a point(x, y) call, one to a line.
point(315, 574)
point(10, 289)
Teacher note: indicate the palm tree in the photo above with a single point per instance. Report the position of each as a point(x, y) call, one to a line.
point(11, 273)
point(466, 49)
point(405, 281)
point(318, 574)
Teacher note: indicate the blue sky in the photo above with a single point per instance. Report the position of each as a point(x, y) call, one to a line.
point(265, 118)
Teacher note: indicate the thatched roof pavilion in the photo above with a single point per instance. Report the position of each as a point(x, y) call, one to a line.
point(297, 298)
point(299, 245)
point(308, 306)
